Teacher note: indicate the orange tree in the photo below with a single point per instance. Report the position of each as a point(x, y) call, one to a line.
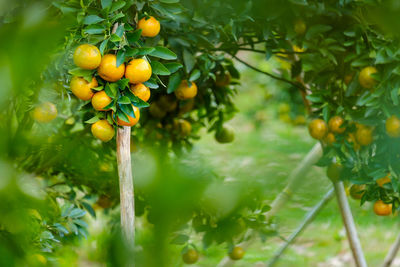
point(165, 67)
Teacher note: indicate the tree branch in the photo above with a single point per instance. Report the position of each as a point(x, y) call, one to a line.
point(267, 73)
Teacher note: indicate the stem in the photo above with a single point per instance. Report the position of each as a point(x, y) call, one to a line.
point(392, 253)
point(295, 179)
point(310, 216)
point(348, 222)
point(126, 184)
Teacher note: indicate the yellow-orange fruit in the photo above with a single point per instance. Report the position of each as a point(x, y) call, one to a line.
point(140, 90)
point(100, 100)
point(138, 71)
point(318, 129)
point(108, 69)
point(83, 89)
point(184, 91)
point(87, 56)
point(103, 130)
point(150, 26)
point(132, 121)
point(45, 112)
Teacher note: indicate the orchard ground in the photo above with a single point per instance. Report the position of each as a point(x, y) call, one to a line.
point(269, 152)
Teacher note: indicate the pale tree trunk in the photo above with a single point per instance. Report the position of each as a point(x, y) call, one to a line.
point(392, 253)
point(310, 216)
point(349, 225)
point(294, 181)
point(126, 184)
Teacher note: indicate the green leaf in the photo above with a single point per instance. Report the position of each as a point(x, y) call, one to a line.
point(115, 38)
point(92, 120)
point(120, 30)
point(163, 52)
point(136, 101)
point(89, 208)
point(128, 110)
point(152, 83)
point(189, 60)
point(103, 46)
point(145, 51)
point(124, 100)
point(169, 1)
point(92, 19)
point(111, 89)
point(77, 213)
point(117, 5)
point(174, 81)
point(133, 37)
point(121, 115)
point(94, 29)
point(173, 66)
point(98, 88)
point(106, 3)
point(159, 69)
point(120, 57)
point(81, 72)
point(180, 239)
point(195, 75)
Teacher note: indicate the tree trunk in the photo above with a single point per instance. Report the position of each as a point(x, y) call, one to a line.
point(348, 222)
point(392, 253)
point(126, 184)
point(306, 221)
point(293, 183)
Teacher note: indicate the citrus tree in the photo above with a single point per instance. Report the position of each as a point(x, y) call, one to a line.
point(158, 72)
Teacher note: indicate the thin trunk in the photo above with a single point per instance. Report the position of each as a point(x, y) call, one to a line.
point(126, 184)
point(348, 222)
point(392, 253)
point(294, 181)
point(310, 216)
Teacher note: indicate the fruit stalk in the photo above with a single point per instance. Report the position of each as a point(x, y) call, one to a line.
point(310, 216)
point(392, 253)
point(126, 184)
point(348, 222)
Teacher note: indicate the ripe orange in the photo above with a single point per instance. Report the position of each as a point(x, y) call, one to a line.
point(225, 135)
point(81, 88)
point(300, 27)
point(150, 26)
point(318, 129)
point(183, 127)
point(365, 78)
point(330, 139)
point(140, 90)
point(138, 71)
point(132, 121)
point(44, 112)
point(393, 126)
point(108, 68)
point(364, 135)
point(383, 180)
point(333, 172)
point(190, 257)
point(357, 191)
point(335, 124)
point(103, 130)
point(184, 91)
point(223, 80)
point(100, 100)
point(382, 209)
point(237, 253)
point(87, 56)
